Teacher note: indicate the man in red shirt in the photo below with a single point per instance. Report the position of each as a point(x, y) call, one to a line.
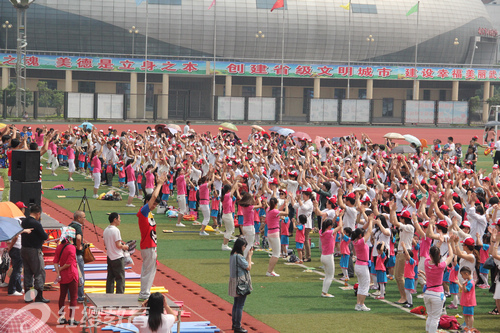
point(147, 226)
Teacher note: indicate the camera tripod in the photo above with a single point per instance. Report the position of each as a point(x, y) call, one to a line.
point(84, 203)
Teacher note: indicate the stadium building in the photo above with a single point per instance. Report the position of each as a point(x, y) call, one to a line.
point(357, 61)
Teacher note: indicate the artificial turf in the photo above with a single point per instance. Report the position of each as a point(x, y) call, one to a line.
point(289, 303)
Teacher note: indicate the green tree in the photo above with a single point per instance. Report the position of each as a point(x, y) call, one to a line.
point(11, 98)
point(58, 101)
point(50, 98)
point(475, 104)
point(495, 100)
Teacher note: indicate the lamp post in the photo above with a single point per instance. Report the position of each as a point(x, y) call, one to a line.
point(134, 31)
point(21, 6)
point(258, 35)
point(370, 40)
point(456, 43)
point(6, 26)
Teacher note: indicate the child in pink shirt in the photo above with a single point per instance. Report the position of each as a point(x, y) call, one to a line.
point(380, 269)
point(468, 297)
point(409, 274)
point(454, 284)
point(345, 252)
point(483, 256)
point(285, 233)
point(300, 237)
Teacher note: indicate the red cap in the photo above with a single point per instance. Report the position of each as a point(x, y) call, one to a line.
point(413, 196)
point(468, 241)
point(475, 137)
point(307, 190)
point(20, 205)
point(442, 223)
point(403, 181)
point(283, 191)
point(245, 175)
point(366, 198)
point(351, 195)
point(496, 223)
point(349, 171)
point(425, 224)
point(495, 166)
point(423, 182)
point(110, 127)
point(274, 181)
point(443, 207)
point(369, 182)
point(465, 224)
point(457, 206)
point(350, 181)
point(333, 200)
point(405, 214)
point(389, 190)
point(486, 179)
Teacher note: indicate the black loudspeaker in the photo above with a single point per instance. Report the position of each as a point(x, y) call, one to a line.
point(25, 165)
point(29, 193)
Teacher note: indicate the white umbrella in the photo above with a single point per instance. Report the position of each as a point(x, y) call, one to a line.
point(412, 139)
point(394, 136)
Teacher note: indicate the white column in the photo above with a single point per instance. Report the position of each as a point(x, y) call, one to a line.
point(317, 87)
point(133, 96)
point(369, 89)
point(416, 90)
point(164, 100)
point(68, 83)
point(258, 86)
point(5, 77)
point(229, 85)
point(486, 96)
point(454, 90)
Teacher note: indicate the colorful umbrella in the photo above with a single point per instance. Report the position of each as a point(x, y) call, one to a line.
point(174, 126)
point(2, 125)
point(412, 139)
point(160, 128)
point(285, 131)
point(403, 150)
point(275, 128)
point(318, 140)
point(229, 126)
point(424, 143)
point(23, 321)
point(87, 125)
point(8, 209)
point(9, 228)
point(301, 135)
point(258, 128)
point(394, 136)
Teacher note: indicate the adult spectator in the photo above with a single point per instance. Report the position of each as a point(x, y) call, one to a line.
point(147, 226)
point(156, 320)
point(31, 254)
point(4, 166)
point(360, 237)
point(237, 266)
point(77, 224)
point(187, 127)
point(114, 248)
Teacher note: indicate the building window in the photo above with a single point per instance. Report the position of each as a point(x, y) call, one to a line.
point(247, 91)
point(124, 89)
point(306, 104)
point(339, 93)
point(363, 9)
point(409, 94)
point(165, 2)
point(387, 107)
point(442, 95)
point(86, 87)
point(51, 84)
point(361, 93)
point(427, 95)
point(268, 4)
point(277, 94)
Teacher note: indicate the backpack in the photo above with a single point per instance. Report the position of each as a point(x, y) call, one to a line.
point(448, 323)
point(293, 258)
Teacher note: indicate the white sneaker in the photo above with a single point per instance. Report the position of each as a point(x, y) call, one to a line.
point(357, 307)
point(364, 308)
point(327, 295)
point(204, 233)
point(4, 284)
point(95, 196)
point(130, 205)
point(54, 174)
point(226, 248)
point(15, 293)
point(377, 293)
point(420, 296)
point(70, 179)
point(273, 273)
point(180, 224)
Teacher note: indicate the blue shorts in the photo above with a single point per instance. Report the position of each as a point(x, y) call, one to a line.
point(257, 227)
point(344, 261)
point(284, 240)
point(453, 288)
point(299, 246)
point(381, 277)
point(468, 310)
point(483, 270)
point(262, 212)
point(121, 180)
point(165, 197)
point(59, 156)
point(337, 238)
point(81, 164)
point(139, 186)
point(214, 213)
point(391, 262)
point(409, 284)
point(240, 219)
point(446, 276)
point(65, 157)
point(91, 168)
point(171, 187)
point(372, 269)
point(265, 230)
point(192, 204)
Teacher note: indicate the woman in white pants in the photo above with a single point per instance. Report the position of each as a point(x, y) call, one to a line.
point(204, 190)
point(327, 237)
point(227, 197)
point(248, 205)
point(273, 215)
point(130, 174)
point(434, 292)
point(359, 239)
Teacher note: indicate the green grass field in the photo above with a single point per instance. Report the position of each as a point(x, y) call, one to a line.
point(289, 303)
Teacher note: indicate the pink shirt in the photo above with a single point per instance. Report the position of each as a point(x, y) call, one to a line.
point(96, 164)
point(425, 245)
point(71, 153)
point(227, 204)
point(130, 173)
point(121, 172)
point(468, 294)
point(285, 225)
point(483, 253)
point(204, 194)
point(434, 275)
point(327, 242)
point(39, 139)
point(68, 256)
point(273, 221)
point(215, 203)
point(248, 215)
point(454, 274)
point(165, 188)
point(379, 264)
point(181, 185)
point(344, 245)
point(410, 269)
point(300, 236)
point(150, 179)
point(362, 250)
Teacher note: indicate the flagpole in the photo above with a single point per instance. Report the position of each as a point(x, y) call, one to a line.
point(282, 65)
point(415, 89)
point(215, 52)
point(349, 56)
point(146, 60)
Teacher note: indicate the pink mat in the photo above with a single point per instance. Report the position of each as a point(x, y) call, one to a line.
point(102, 276)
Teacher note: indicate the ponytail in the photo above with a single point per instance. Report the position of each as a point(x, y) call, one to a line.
point(435, 254)
point(325, 225)
point(272, 203)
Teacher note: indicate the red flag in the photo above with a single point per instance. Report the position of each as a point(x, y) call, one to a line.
point(213, 3)
point(278, 4)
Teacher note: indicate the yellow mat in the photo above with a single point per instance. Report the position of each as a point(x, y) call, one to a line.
point(98, 283)
point(127, 290)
